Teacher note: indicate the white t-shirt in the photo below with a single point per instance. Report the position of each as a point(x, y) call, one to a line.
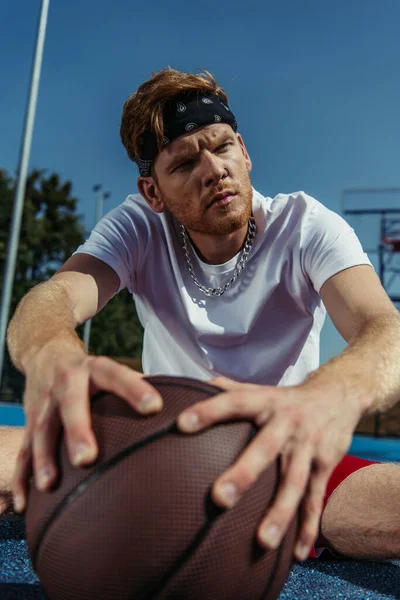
point(266, 328)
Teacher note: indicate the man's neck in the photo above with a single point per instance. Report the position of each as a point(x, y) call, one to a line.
point(217, 249)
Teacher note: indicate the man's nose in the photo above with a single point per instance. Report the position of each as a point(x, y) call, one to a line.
point(213, 170)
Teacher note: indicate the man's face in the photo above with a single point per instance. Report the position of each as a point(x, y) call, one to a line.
point(203, 179)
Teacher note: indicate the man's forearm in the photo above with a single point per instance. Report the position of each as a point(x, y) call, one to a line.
point(43, 314)
point(368, 370)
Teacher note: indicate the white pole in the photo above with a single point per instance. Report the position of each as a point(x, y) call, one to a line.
point(9, 272)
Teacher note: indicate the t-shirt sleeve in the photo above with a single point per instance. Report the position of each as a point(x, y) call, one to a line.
point(330, 245)
point(114, 240)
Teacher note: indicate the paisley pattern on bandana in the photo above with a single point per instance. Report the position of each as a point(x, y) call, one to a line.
point(182, 114)
point(144, 165)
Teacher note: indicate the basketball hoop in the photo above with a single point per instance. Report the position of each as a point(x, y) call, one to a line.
point(393, 241)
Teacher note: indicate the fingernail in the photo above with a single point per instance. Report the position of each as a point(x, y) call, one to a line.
point(44, 477)
point(189, 421)
point(270, 535)
point(229, 493)
point(150, 403)
point(302, 551)
point(18, 503)
point(82, 453)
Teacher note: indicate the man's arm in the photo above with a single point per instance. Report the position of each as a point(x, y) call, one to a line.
point(49, 313)
point(362, 312)
point(60, 376)
point(311, 424)
point(53, 309)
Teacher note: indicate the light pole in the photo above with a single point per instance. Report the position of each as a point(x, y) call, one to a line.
point(100, 197)
point(15, 230)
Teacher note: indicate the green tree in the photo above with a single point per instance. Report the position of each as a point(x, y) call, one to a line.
point(51, 230)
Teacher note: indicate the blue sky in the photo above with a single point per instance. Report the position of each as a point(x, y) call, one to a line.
point(314, 85)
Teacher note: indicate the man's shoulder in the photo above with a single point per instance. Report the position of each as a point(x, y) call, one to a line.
point(135, 210)
point(299, 200)
point(297, 205)
point(135, 203)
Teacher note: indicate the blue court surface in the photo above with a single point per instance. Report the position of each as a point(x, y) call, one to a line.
point(313, 580)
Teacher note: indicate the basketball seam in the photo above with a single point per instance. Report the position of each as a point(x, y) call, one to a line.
point(280, 548)
point(79, 489)
point(187, 553)
point(82, 486)
point(198, 538)
point(272, 571)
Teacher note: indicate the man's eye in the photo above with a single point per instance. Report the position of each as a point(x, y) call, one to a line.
point(224, 147)
point(184, 165)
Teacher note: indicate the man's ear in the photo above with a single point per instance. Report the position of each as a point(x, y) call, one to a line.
point(148, 189)
point(245, 153)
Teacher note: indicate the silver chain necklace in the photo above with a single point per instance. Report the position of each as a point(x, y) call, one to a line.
point(244, 257)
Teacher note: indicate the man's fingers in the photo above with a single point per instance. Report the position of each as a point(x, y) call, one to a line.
point(291, 490)
point(66, 403)
point(71, 397)
point(224, 407)
point(260, 453)
point(281, 432)
point(22, 472)
point(311, 513)
point(45, 436)
point(119, 379)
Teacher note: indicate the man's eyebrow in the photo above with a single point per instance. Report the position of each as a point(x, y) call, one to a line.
point(190, 154)
point(182, 157)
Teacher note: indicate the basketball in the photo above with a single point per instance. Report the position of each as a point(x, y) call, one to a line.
point(139, 522)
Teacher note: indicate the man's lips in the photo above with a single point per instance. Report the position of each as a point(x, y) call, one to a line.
point(223, 198)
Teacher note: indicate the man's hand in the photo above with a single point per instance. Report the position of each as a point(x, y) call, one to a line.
point(312, 430)
point(60, 380)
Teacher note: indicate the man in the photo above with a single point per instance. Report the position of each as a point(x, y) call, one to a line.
point(230, 286)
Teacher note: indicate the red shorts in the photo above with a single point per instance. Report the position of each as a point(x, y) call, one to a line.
point(347, 466)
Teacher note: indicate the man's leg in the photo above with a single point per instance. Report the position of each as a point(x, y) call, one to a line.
point(362, 517)
point(10, 442)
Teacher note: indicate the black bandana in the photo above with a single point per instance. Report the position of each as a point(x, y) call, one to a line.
point(182, 114)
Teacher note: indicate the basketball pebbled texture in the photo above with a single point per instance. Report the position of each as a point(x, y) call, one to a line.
point(139, 523)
